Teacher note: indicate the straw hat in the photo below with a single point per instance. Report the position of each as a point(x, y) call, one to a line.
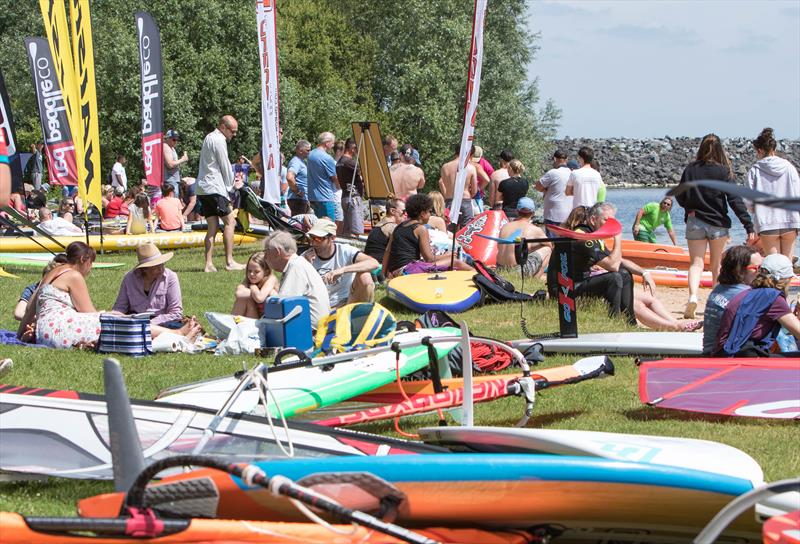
point(149, 255)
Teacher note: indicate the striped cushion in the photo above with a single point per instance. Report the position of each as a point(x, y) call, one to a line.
point(123, 334)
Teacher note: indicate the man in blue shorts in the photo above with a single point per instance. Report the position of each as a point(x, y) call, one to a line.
point(322, 179)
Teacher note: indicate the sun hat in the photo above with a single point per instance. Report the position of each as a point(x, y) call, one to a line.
point(322, 228)
point(149, 255)
point(526, 203)
point(778, 266)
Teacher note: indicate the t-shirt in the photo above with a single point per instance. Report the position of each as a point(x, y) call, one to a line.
point(298, 166)
point(169, 212)
point(27, 293)
point(765, 324)
point(300, 279)
point(585, 183)
point(344, 171)
point(118, 173)
point(513, 189)
point(321, 168)
point(114, 207)
point(557, 205)
point(188, 192)
point(718, 300)
point(654, 216)
point(343, 255)
point(36, 165)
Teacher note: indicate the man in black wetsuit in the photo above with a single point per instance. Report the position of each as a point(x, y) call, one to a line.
point(615, 285)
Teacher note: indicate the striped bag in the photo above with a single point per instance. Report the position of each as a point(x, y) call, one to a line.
point(129, 335)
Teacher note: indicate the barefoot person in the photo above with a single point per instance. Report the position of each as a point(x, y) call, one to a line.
point(260, 283)
point(447, 185)
point(151, 287)
point(538, 253)
point(214, 185)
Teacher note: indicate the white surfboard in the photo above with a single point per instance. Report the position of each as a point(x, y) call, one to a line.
point(659, 450)
point(632, 343)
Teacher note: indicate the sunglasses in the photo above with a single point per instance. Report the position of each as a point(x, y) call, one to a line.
point(317, 238)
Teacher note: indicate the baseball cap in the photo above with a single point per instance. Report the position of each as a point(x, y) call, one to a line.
point(172, 133)
point(572, 164)
point(526, 203)
point(507, 155)
point(477, 154)
point(322, 228)
point(778, 266)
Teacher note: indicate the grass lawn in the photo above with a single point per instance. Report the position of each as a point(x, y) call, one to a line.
point(610, 404)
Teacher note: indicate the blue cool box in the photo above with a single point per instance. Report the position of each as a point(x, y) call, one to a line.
point(287, 323)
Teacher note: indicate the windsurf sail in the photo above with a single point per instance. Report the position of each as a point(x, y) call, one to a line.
point(767, 388)
point(66, 434)
point(756, 197)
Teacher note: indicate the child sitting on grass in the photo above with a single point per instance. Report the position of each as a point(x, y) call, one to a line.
point(260, 283)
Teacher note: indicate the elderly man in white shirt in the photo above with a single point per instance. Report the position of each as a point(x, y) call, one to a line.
point(214, 184)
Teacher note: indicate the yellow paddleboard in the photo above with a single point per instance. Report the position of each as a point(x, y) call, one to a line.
point(118, 242)
point(451, 291)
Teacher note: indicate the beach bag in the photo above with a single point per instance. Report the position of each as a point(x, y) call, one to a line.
point(355, 326)
point(495, 287)
point(129, 335)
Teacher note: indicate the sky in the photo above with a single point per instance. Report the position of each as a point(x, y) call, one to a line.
point(654, 68)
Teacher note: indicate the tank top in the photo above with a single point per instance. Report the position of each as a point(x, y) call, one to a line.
point(172, 175)
point(376, 243)
point(405, 246)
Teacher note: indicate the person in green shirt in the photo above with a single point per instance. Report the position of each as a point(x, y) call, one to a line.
point(649, 217)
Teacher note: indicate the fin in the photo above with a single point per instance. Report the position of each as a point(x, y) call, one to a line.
point(126, 449)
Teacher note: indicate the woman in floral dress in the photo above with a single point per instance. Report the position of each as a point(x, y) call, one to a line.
point(64, 314)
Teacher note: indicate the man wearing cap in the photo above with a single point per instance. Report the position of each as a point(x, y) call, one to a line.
point(538, 252)
point(214, 185)
point(152, 288)
point(172, 164)
point(298, 277)
point(346, 271)
point(557, 204)
point(501, 173)
point(407, 177)
point(751, 322)
point(322, 180)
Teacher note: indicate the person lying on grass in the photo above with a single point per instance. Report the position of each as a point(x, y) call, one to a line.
point(152, 288)
point(259, 283)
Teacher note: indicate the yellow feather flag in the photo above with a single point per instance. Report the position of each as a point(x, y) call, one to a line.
point(83, 57)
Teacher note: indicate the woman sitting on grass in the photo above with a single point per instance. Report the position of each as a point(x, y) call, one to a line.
point(753, 318)
point(60, 313)
point(260, 283)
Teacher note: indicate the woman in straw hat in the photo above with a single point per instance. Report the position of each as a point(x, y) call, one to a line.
point(153, 288)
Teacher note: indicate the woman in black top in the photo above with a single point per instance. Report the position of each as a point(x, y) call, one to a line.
point(410, 241)
point(706, 214)
point(511, 189)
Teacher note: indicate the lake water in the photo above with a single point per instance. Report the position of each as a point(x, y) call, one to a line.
point(629, 201)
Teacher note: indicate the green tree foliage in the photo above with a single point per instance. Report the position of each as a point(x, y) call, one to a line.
point(338, 63)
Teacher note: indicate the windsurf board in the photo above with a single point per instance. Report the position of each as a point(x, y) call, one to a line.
point(632, 343)
point(451, 291)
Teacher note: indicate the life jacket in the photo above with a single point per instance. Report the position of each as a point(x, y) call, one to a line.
point(754, 304)
point(499, 289)
point(355, 326)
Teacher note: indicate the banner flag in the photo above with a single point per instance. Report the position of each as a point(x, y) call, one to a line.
point(56, 132)
point(152, 97)
point(10, 138)
point(89, 175)
point(471, 106)
point(266, 19)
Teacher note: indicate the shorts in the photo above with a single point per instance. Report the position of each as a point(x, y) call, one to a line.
point(324, 208)
point(214, 206)
point(298, 206)
point(531, 267)
point(777, 232)
point(338, 212)
point(466, 212)
point(697, 229)
point(645, 236)
point(353, 210)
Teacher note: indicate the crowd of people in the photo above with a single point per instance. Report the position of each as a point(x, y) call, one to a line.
point(324, 188)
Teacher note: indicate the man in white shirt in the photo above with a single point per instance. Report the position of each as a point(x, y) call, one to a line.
point(298, 277)
point(214, 184)
point(345, 271)
point(584, 182)
point(118, 176)
point(56, 226)
point(557, 205)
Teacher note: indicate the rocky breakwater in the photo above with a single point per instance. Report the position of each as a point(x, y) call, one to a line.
point(658, 162)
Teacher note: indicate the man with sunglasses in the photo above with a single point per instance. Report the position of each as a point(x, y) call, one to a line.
point(345, 271)
point(172, 164)
point(649, 217)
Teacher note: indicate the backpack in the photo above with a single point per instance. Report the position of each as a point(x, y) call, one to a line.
point(499, 289)
point(354, 326)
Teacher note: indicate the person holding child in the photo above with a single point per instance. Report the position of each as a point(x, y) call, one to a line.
point(259, 283)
